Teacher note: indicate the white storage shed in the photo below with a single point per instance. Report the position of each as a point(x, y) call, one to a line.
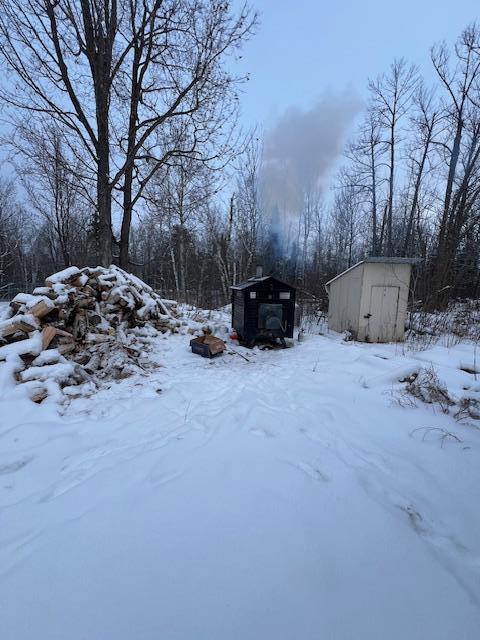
point(370, 299)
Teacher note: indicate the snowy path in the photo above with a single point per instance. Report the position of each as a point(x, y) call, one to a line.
point(282, 498)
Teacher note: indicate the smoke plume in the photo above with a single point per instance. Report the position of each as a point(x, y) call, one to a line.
point(303, 147)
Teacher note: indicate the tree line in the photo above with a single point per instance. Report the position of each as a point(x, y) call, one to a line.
point(123, 134)
point(412, 171)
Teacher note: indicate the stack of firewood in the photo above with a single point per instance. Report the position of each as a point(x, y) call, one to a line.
point(98, 318)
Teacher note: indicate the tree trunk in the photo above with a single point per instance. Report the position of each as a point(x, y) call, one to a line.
point(391, 179)
point(126, 221)
point(130, 164)
point(442, 265)
point(175, 272)
point(181, 264)
point(374, 201)
point(416, 193)
point(104, 206)
point(101, 74)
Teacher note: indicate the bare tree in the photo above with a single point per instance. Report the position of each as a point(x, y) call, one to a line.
point(424, 123)
point(460, 79)
point(345, 222)
point(56, 191)
point(391, 95)
point(364, 173)
point(223, 249)
point(249, 212)
point(193, 114)
point(118, 77)
point(16, 235)
point(8, 241)
point(181, 194)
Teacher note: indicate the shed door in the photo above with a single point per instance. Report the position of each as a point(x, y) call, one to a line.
point(382, 323)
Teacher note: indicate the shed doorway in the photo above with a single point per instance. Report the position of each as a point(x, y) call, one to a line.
point(383, 313)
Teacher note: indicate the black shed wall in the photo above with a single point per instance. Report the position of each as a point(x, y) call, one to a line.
point(245, 309)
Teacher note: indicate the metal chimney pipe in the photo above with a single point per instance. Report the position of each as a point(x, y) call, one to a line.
point(259, 273)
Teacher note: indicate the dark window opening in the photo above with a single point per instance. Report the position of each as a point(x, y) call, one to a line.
point(270, 317)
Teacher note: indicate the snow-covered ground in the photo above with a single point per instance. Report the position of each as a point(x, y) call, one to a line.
point(284, 497)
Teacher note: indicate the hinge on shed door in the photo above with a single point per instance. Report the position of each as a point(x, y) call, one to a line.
point(368, 316)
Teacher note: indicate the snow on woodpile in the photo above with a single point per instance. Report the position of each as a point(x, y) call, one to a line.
point(82, 326)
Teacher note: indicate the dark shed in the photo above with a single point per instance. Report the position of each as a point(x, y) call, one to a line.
point(263, 307)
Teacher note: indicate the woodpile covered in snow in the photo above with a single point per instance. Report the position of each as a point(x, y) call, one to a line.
point(83, 325)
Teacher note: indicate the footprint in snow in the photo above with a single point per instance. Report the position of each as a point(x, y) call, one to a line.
point(448, 551)
point(260, 431)
point(311, 471)
point(416, 520)
point(442, 540)
point(157, 476)
point(12, 467)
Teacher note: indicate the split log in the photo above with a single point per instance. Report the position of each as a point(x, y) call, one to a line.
point(93, 364)
point(28, 358)
point(85, 303)
point(79, 281)
point(89, 290)
point(17, 323)
point(39, 395)
point(50, 332)
point(80, 325)
point(215, 345)
point(93, 318)
point(98, 338)
point(45, 291)
point(65, 347)
point(67, 276)
point(41, 308)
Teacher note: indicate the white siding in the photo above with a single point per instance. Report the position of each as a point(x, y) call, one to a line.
point(344, 301)
point(370, 300)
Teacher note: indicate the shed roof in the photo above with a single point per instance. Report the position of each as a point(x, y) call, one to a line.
point(255, 280)
point(377, 259)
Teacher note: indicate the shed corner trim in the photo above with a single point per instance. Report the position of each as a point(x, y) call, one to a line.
point(354, 266)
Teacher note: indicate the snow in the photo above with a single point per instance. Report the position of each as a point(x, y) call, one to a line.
point(51, 356)
point(39, 291)
point(11, 364)
point(64, 275)
point(60, 372)
point(5, 310)
point(25, 298)
point(285, 496)
point(28, 318)
point(29, 345)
